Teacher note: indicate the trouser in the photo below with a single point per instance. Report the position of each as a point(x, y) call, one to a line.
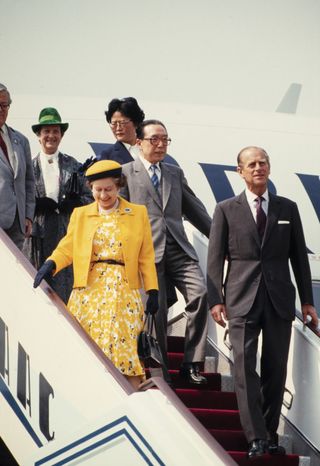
point(260, 398)
point(185, 274)
point(15, 233)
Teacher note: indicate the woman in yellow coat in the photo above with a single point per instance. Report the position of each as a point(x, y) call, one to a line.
point(109, 243)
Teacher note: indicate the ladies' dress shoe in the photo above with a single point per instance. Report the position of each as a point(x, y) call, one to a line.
point(273, 445)
point(257, 447)
point(191, 373)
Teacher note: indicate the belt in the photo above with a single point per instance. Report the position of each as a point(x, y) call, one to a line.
point(108, 261)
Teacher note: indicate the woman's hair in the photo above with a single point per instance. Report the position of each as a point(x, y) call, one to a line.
point(119, 181)
point(128, 106)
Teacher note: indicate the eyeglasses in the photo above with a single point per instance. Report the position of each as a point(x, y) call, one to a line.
point(4, 106)
point(121, 123)
point(155, 140)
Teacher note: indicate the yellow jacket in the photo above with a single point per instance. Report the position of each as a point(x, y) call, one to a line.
point(138, 252)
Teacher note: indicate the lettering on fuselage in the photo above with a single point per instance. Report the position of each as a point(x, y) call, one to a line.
point(20, 364)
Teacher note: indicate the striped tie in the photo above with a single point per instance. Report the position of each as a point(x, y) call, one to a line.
point(155, 178)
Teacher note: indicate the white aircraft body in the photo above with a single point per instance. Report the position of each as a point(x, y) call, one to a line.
point(221, 76)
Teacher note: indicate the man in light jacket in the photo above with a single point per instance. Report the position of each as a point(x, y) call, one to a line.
point(17, 189)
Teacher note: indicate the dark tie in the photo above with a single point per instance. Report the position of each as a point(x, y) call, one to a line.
point(4, 147)
point(154, 178)
point(261, 216)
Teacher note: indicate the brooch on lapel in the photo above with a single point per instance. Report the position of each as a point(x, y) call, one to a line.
point(127, 210)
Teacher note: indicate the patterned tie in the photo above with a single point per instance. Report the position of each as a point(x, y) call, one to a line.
point(261, 216)
point(154, 178)
point(4, 147)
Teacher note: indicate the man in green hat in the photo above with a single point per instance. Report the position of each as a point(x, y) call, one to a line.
point(59, 189)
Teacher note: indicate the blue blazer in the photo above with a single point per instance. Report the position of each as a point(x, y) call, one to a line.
point(119, 153)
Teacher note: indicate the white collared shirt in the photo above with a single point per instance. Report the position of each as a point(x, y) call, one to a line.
point(11, 155)
point(148, 164)
point(134, 150)
point(51, 174)
point(251, 198)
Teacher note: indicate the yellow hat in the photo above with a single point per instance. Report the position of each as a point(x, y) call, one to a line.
point(103, 169)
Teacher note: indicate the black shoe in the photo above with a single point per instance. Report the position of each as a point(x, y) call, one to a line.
point(257, 447)
point(191, 373)
point(273, 445)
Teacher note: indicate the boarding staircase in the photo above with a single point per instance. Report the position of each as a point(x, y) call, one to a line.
point(218, 412)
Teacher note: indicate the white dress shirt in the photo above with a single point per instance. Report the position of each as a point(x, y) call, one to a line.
point(133, 150)
point(51, 174)
point(147, 165)
point(251, 198)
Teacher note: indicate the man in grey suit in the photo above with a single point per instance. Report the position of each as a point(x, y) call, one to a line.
point(17, 188)
point(163, 189)
point(258, 233)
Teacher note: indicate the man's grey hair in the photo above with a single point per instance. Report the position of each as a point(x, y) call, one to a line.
point(260, 149)
point(4, 88)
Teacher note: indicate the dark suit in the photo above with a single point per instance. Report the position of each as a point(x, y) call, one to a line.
point(117, 152)
point(259, 295)
point(175, 256)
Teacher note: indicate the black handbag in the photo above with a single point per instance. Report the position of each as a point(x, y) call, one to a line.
point(148, 347)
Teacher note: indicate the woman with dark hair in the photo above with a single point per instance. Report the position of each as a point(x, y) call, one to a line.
point(124, 116)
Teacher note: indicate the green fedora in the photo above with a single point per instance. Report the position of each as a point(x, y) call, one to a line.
point(49, 116)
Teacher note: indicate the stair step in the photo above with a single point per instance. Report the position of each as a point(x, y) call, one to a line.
point(218, 418)
point(215, 406)
point(214, 381)
point(175, 344)
point(176, 359)
point(231, 440)
point(213, 399)
point(265, 460)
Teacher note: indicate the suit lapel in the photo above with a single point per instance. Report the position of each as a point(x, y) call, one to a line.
point(40, 188)
point(272, 217)
point(166, 183)
point(16, 149)
point(123, 155)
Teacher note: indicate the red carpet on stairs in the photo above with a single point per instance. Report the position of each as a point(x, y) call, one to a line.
point(217, 411)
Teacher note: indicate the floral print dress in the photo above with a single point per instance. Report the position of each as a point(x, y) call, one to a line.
point(110, 311)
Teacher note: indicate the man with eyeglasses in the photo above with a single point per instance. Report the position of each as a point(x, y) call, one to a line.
point(17, 187)
point(124, 116)
point(164, 190)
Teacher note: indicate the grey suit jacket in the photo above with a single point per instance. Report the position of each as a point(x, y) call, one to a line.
point(177, 201)
point(17, 188)
point(234, 237)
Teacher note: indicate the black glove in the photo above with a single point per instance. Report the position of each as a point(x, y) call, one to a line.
point(70, 202)
point(45, 204)
point(152, 305)
point(45, 271)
